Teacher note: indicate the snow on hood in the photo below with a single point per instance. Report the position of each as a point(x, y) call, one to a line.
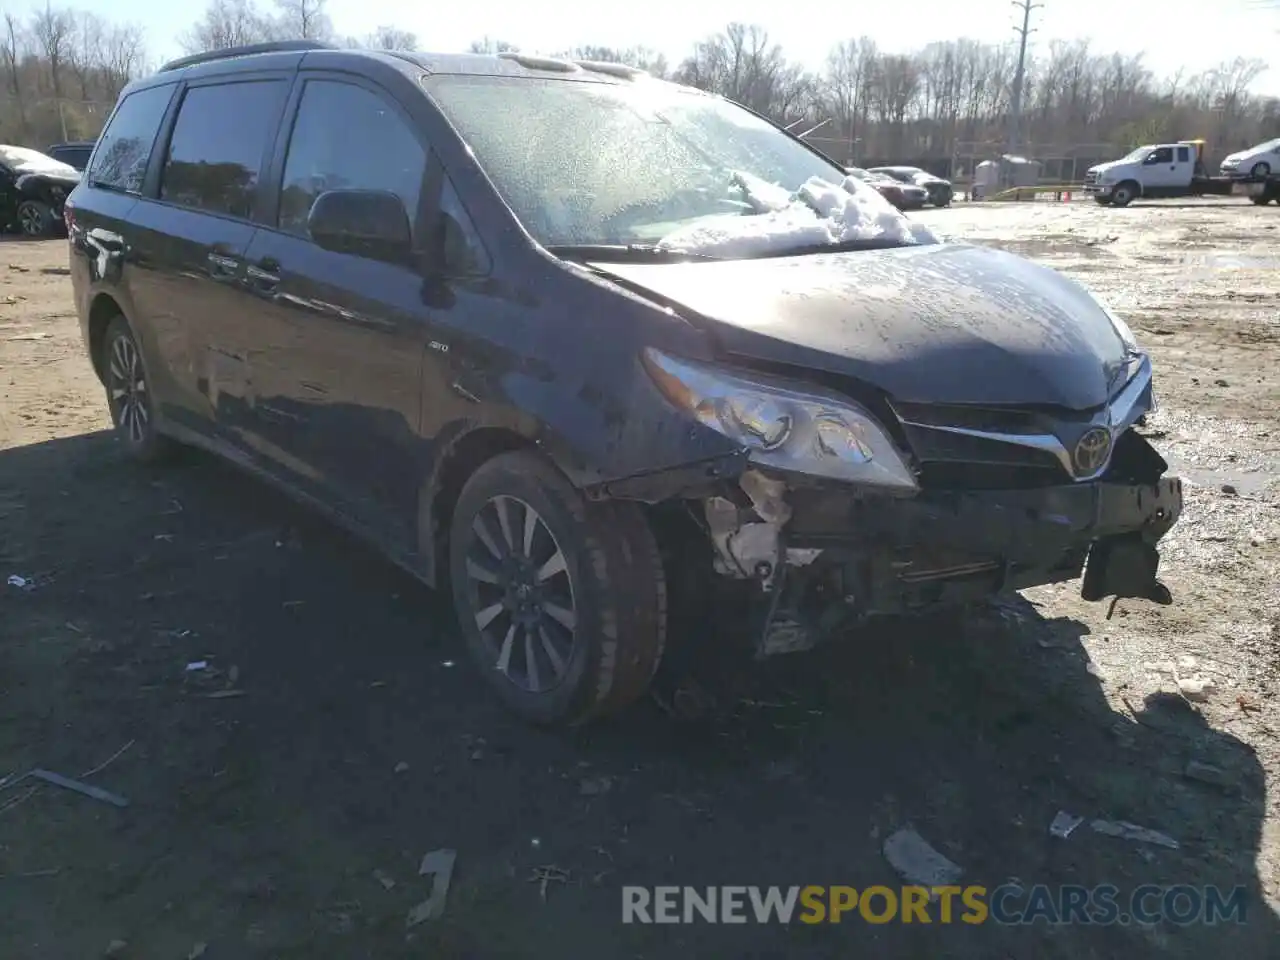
point(23, 161)
point(820, 213)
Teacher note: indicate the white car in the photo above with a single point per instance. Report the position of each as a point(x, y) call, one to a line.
point(1260, 161)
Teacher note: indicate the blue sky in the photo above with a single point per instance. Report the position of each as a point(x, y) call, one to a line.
point(1187, 35)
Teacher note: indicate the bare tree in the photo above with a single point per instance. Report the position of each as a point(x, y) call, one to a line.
point(123, 57)
point(303, 20)
point(53, 31)
point(490, 45)
point(228, 23)
point(12, 55)
point(392, 38)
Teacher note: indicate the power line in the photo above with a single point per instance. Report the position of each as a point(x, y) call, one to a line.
point(1015, 108)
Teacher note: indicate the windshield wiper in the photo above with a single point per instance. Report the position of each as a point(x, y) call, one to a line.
point(623, 252)
point(844, 246)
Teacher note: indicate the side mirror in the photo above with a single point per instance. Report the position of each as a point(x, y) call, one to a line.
point(365, 223)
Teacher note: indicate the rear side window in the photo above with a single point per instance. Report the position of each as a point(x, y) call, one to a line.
point(218, 144)
point(125, 147)
point(347, 137)
point(1183, 154)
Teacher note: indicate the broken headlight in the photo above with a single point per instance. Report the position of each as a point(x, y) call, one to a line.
point(783, 425)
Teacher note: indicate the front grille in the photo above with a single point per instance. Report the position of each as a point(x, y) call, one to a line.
point(1091, 177)
point(957, 461)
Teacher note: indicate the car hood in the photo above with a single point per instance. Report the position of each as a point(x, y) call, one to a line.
point(1109, 165)
point(59, 177)
point(936, 323)
point(1237, 157)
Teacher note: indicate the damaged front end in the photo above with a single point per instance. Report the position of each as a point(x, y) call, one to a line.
point(998, 500)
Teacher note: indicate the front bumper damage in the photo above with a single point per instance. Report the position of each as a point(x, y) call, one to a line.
point(825, 554)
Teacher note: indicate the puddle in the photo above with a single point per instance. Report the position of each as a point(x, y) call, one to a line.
point(1247, 482)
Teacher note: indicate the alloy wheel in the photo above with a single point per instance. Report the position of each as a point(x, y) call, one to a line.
point(128, 388)
point(30, 220)
point(521, 593)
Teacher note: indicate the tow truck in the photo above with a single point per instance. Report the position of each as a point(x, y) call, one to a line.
point(1160, 170)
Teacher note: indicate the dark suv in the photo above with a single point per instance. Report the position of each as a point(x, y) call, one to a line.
point(591, 348)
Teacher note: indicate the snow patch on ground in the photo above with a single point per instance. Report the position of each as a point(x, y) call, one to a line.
point(818, 214)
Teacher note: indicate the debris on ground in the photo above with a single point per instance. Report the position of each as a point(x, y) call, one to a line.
point(437, 864)
point(115, 948)
point(1196, 689)
point(546, 875)
point(401, 767)
point(384, 878)
point(1124, 830)
point(107, 762)
point(88, 789)
point(195, 665)
point(1208, 773)
point(595, 786)
point(197, 951)
point(1064, 824)
point(22, 583)
point(58, 780)
point(917, 862)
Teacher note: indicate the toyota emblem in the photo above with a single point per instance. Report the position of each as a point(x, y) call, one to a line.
point(1091, 451)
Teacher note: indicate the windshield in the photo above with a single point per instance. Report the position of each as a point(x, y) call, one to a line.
point(642, 163)
point(1138, 154)
point(1270, 146)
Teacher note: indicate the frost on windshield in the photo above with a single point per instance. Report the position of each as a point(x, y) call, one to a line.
point(819, 214)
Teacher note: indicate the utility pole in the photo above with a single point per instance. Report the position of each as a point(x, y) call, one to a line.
point(1015, 108)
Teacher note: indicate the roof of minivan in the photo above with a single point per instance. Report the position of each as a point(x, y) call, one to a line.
point(300, 53)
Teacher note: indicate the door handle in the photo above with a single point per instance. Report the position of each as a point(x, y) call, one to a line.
point(222, 266)
point(263, 277)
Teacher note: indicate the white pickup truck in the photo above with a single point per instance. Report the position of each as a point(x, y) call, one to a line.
point(1158, 170)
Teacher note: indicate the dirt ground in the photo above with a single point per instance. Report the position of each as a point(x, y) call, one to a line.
point(288, 820)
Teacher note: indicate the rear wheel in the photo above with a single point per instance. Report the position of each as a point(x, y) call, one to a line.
point(562, 601)
point(36, 219)
point(129, 395)
point(1124, 194)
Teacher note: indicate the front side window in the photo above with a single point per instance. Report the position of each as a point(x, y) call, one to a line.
point(1163, 155)
point(218, 144)
point(347, 137)
point(125, 146)
point(619, 164)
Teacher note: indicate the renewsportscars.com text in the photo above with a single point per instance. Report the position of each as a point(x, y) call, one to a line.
point(1011, 904)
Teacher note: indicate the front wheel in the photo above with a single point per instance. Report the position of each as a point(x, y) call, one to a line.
point(1261, 171)
point(1123, 195)
point(1261, 199)
point(36, 219)
point(562, 601)
point(1101, 201)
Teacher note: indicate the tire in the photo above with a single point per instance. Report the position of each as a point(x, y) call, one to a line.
point(1101, 200)
point(129, 397)
point(1261, 199)
point(1261, 170)
point(1124, 194)
point(36, 219)
point(587, 601)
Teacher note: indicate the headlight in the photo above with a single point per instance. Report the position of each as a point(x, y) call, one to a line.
point(786, 426)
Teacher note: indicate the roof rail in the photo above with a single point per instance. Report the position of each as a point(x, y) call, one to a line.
point(276, 46)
